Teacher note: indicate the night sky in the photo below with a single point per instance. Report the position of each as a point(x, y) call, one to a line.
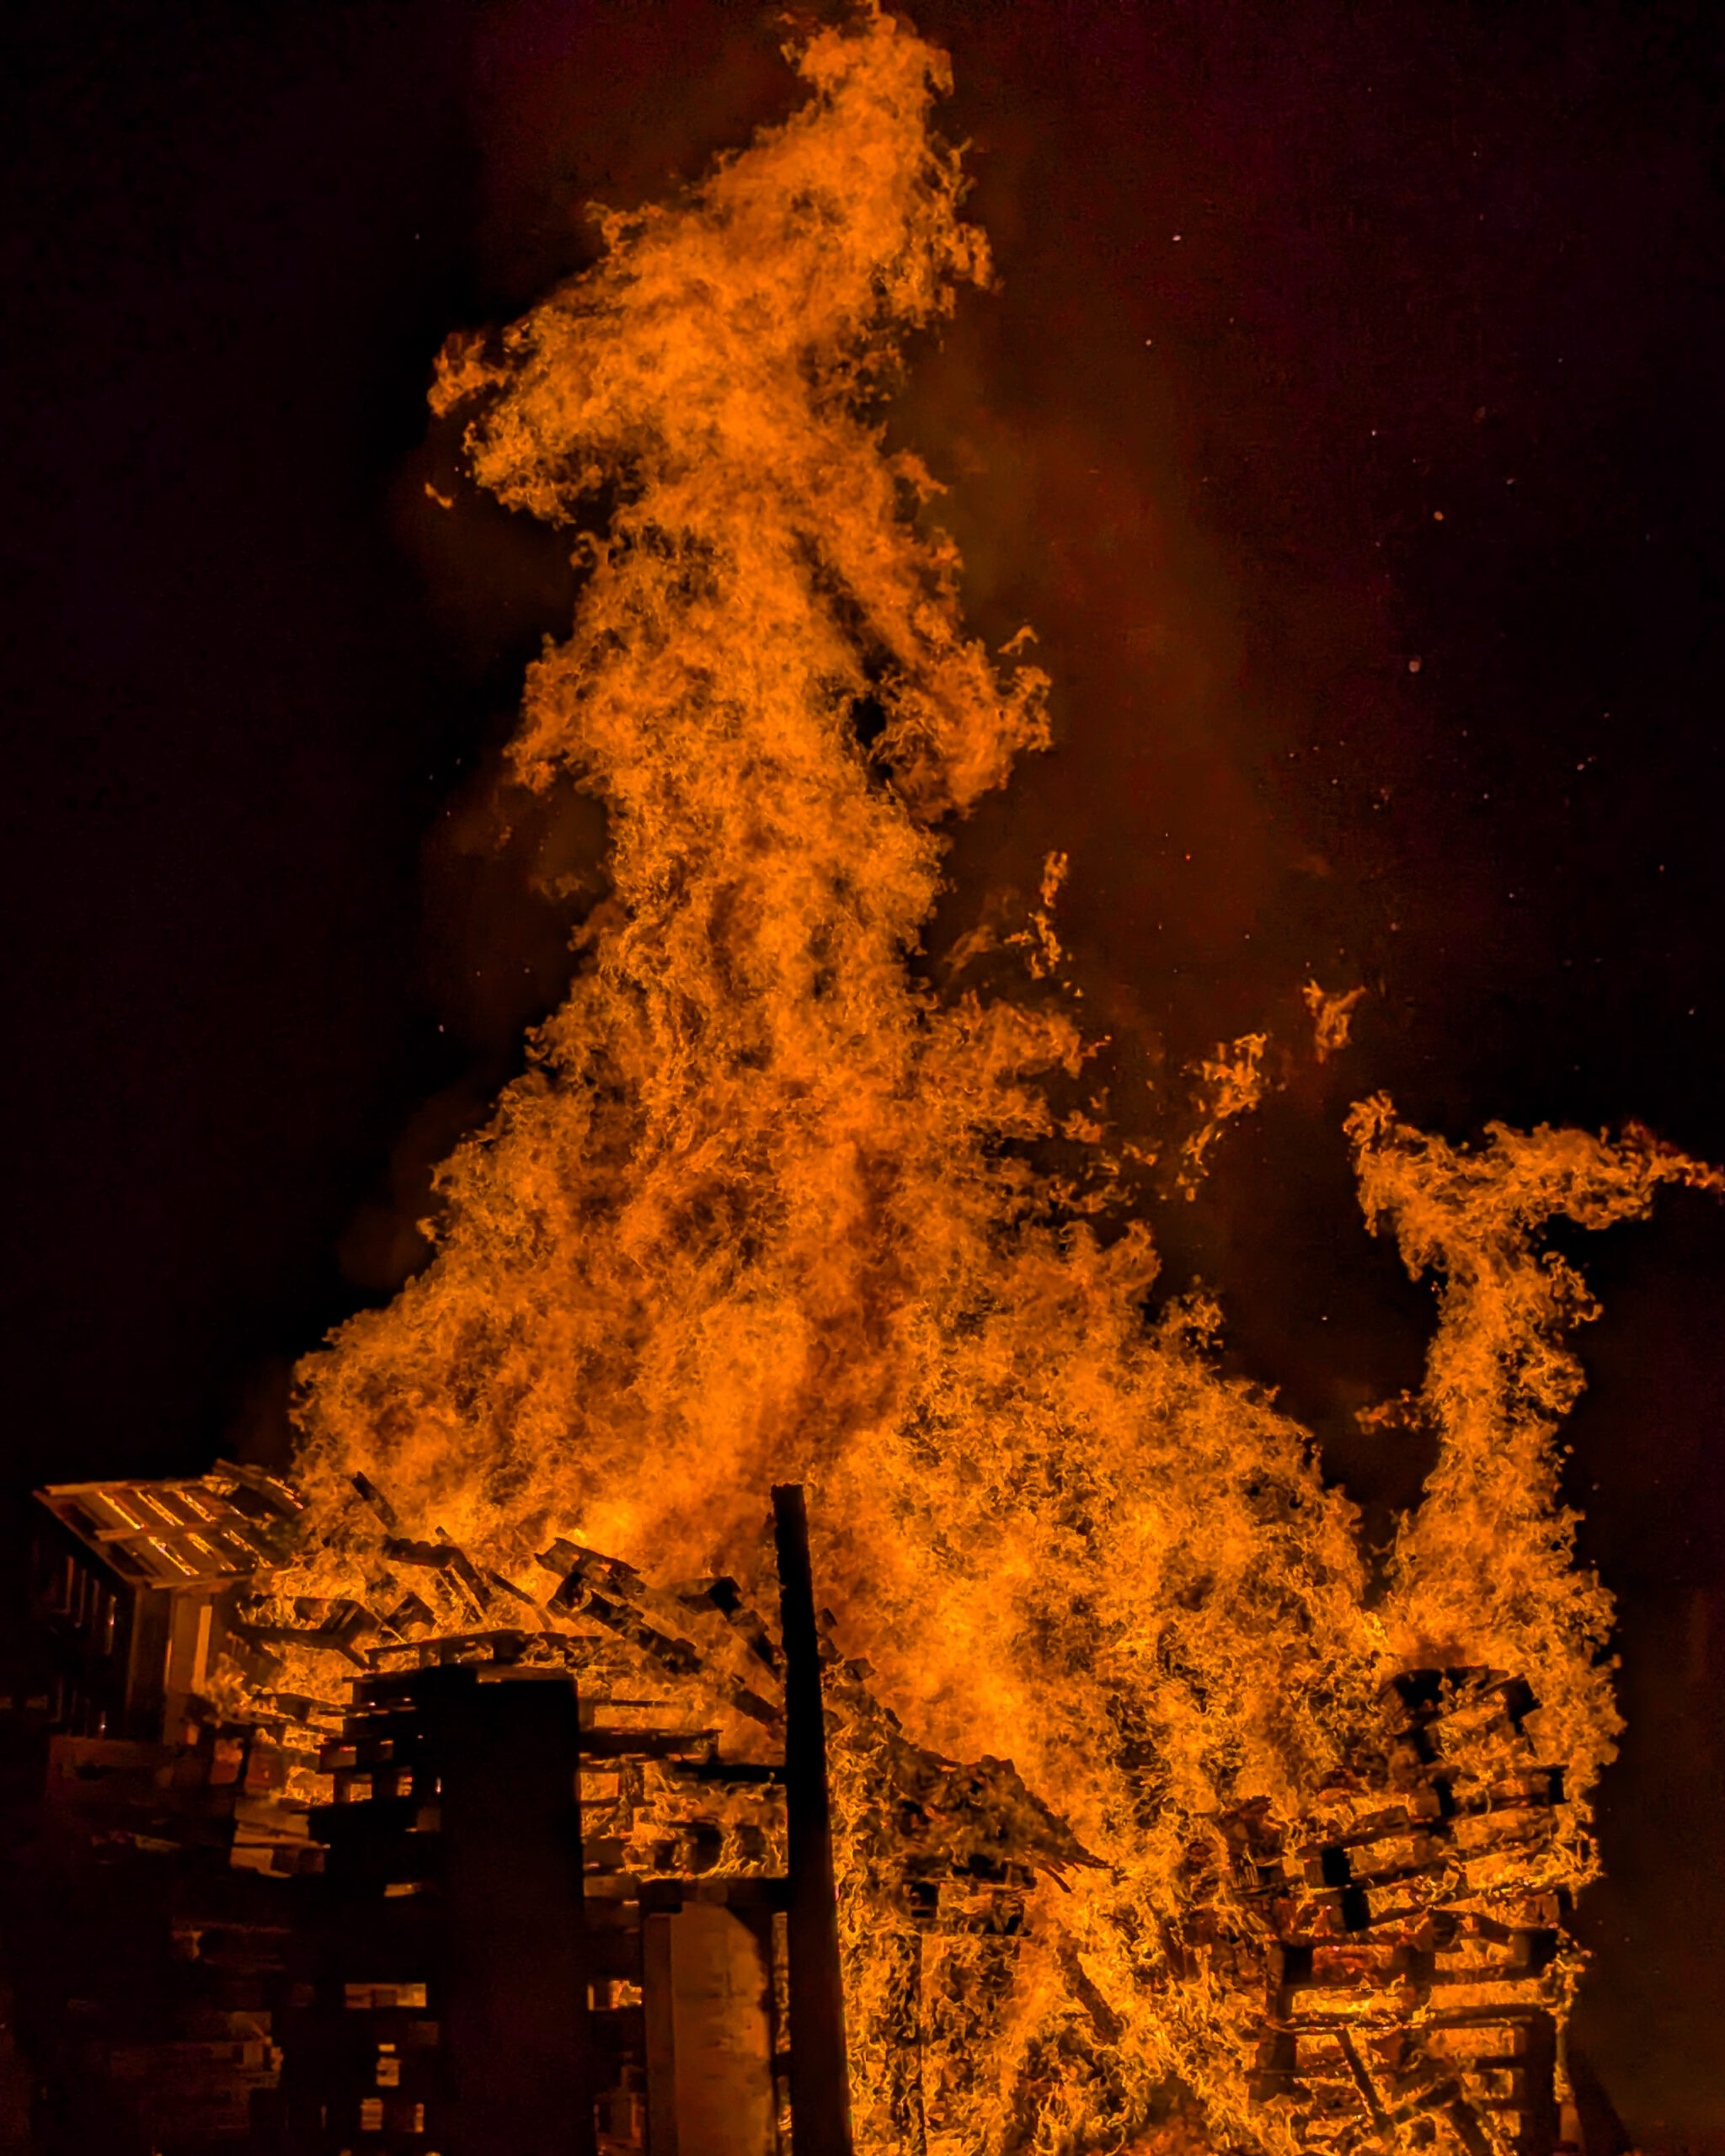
point(1348, 423)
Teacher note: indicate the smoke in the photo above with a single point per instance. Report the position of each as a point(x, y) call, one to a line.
point(766, 1206)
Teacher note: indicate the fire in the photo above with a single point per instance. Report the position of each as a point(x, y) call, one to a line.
point(766, 1208)
point(1487, 1562)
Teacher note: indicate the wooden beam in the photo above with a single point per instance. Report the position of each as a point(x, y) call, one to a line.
point(821, 2091)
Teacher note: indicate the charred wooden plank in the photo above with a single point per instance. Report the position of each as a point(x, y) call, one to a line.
point(645, 1743)
point(465, 1572)
point(379, 1503)
point(575, 1597)
point(504, 1644)
point(508, 1588)
point(723, 1596)
point(301, 1635)
point(447, 1557)
point(412, 1612)
point(568, 1557)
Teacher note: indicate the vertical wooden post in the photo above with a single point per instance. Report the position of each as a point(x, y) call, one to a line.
point(820, 2092)
point(520, 2032)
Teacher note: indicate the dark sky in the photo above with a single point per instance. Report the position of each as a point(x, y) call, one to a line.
point(1347, 422)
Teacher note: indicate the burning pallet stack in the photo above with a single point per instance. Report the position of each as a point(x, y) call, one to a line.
point(366, 1758)
point(487, 1972)
point(649, 1833)
point(691, 1805)
point(657, 1657)
point(1414, 1964)
point(567, 1845)
point(941, 1860)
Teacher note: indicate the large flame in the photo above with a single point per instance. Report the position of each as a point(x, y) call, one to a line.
point(765, 1209)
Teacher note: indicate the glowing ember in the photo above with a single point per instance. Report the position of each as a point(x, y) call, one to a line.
point(765, 1209)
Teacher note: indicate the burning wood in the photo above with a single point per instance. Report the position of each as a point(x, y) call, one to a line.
point(1125, 1848)
point(1407, 1939)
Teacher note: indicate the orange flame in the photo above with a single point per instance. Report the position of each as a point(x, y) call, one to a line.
point(1487, 1562)
point(764, 1208)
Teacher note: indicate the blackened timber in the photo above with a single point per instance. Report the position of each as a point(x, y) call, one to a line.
point(576, 1598)
point(319, 1638)
point(821, 2090)
point(503, 1646)
point(464, 1571)
point(646, 1743)
point(741, 1773)
point(444, 1556)
point(379, 1503)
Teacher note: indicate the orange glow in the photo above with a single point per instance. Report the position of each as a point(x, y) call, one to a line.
point(764, 1208)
